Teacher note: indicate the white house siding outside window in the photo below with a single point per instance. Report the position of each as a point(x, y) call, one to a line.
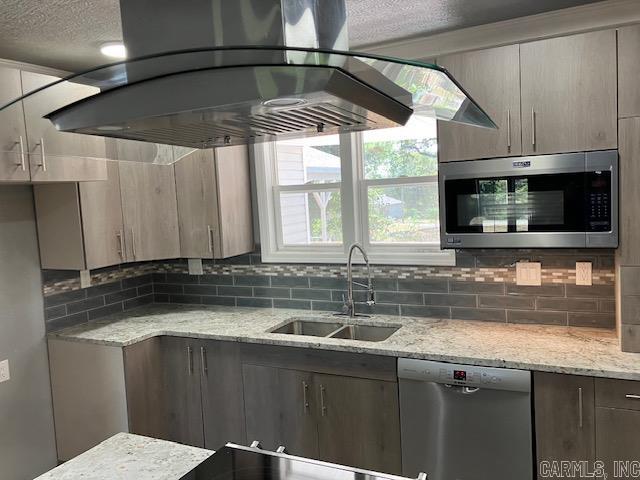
point(318, 195)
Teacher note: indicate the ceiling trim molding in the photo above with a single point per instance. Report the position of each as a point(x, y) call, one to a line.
point(30, 67)
point(584, 18)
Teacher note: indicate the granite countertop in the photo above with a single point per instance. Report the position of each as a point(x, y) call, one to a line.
point(574, 350)
point(131, 457)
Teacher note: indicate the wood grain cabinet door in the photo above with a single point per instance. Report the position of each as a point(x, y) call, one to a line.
point(14, 165)
point(149, 210)
point(279, 409)
point(617, 440)
point(181, 384)
point(222, 394)
point(492, 78)
point(359, 422)
point(564, 417)
point(58, 156)
point(569, 93)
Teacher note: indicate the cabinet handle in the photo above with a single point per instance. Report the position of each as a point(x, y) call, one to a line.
point(210, 239)
point(190, 360)
point(580, 407)
point(120, 238)
point(133, 243)
point(631, 396)
point(533, 128)
point(509, 129)
point(305, 389)
point(322, 404)
point(203, 360)
point(21, 163)
point(42, 164)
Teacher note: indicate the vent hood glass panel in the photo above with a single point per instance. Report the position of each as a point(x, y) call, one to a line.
point(223, 96)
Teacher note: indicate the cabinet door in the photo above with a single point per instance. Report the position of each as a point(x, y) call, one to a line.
point(569, 93)
point(617, 439)
point(628, 71)
point(102, 225)
point(182, 386)
point(197, 204)
point(13, 154)
point(359, 422)
point(564, 417)
point(67, 156)
point(279, 409)
point(492, 78)
point(222, 394)
point(149, 210)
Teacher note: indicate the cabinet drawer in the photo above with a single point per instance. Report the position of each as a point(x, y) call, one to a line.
point(617, 393)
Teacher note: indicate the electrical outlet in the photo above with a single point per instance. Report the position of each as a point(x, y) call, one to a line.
point(583, 273)
point(529, 273)
point(85, 278)
point(4, 371)
point(195, 266)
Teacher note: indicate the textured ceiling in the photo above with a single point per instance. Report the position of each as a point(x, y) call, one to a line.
point(66, 34)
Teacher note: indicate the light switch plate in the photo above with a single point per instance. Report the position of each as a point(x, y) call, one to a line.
point(583, 273)
point(529, 274)
point(195, 266)
point(5, 375)
point(85, 278)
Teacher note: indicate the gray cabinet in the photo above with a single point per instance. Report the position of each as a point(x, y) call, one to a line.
point(492, 78)
point(14, 166)
point(569, 93)
point(564, 417)
point(58, 156)
point(336, 418)
point(628, 71)
point(214, 203)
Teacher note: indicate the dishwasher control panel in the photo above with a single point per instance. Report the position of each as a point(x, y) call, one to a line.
point(464, 375)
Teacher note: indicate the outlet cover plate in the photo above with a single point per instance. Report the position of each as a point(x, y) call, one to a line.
point(583, 273)
point(529, 274)
point(5, 375)
point(195, 266)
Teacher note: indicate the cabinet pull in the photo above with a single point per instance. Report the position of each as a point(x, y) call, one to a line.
point(203, 360)
point(533, 128)
point(632, 396)
point(322, 404)
point(133, 243)
point(120, 238)
point(190, 360)
point(43, 163)
point(305, 389)
point(509, 129)
point(210, 239)
point(580, 407)
point(21, 163)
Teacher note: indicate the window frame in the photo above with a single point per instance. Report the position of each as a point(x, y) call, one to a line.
point(354, 211)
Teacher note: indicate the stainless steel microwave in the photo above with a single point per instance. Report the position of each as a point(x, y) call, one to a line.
point(547, 201)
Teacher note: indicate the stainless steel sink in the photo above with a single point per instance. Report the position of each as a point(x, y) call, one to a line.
point(368, 333)
point(324, 327)
point(310, 327)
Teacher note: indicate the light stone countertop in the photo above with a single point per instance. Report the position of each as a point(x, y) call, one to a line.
point(573, 350)
point(131, 457)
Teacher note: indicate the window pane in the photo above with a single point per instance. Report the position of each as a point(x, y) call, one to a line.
point(311, 217)
point(409, 151)
point(313, 160)
point(404, 214)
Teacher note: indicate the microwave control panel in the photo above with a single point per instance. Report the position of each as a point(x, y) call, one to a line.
point(598, 207)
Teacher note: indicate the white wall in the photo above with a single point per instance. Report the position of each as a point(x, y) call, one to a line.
point(27, 445)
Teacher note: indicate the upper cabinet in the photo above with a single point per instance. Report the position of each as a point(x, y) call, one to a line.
point(492, 78)
point(57, 156)
point(551, 96)
point(569, 93)
point(214, 203)
point(628, 71)
point(13, 137)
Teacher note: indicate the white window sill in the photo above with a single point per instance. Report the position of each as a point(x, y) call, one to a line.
point(436, 258)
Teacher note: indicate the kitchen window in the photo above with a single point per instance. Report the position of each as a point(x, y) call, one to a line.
point(318, 195)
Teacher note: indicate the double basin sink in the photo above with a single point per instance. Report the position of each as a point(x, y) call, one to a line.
point(323, 327)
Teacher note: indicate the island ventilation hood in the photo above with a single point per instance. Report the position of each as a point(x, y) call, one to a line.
point(208, 73)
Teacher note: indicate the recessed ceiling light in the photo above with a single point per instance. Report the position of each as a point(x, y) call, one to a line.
point(284, 102)
point(114, 50)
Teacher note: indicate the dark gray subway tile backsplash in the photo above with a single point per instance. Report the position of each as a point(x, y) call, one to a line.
point(480, 287)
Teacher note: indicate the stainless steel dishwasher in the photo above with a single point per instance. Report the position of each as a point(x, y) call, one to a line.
point(461, 422)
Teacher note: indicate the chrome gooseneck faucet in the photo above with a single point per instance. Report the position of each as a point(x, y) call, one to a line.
point(348, 308)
